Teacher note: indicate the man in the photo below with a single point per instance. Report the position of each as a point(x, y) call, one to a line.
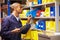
point(11, 25)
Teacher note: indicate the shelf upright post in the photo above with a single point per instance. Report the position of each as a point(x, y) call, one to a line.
point(57, 15)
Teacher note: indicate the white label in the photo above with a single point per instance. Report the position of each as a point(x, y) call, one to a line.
point(42, 26)
point(51, 12)
point(39, 25)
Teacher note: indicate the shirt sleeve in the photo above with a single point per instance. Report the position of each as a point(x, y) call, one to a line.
point(25, 29)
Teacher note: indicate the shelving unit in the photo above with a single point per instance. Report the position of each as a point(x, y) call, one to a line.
point(56, 18)
point(35, 6)
point(57, 4)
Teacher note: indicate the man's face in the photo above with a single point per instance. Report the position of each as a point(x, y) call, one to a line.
point(19, 9)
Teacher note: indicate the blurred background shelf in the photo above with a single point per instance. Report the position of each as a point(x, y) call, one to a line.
point(40, 18)
point(34, 6)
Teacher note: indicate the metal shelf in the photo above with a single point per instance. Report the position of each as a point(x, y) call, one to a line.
point(40, 18)
point(47, 4)
point(44, 17)
point(44, 4)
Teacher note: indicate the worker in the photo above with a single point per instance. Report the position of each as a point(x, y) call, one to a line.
point(11, 24)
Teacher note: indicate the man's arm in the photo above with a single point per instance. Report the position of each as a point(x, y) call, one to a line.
point(26, 27)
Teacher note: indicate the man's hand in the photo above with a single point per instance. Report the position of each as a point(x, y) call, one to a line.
point(29, 18)
point(16, 30)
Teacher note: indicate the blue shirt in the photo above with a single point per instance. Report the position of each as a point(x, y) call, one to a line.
point(9, 24)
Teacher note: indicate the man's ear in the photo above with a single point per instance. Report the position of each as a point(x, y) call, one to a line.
point(15, 8)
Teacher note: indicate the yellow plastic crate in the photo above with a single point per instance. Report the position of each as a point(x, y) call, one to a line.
point(28, 35)
point(51, 26)
point(23, 14)
point(34, 35)
point(23, 36)
point(54, 26)
point(47, 12)
point(43, 1)
point(35, 2)
point(59, 25)
point(24, 22)
point(47, 25)
point(49, 1)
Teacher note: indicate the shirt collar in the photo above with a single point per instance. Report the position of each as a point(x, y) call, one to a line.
point(17, 18)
